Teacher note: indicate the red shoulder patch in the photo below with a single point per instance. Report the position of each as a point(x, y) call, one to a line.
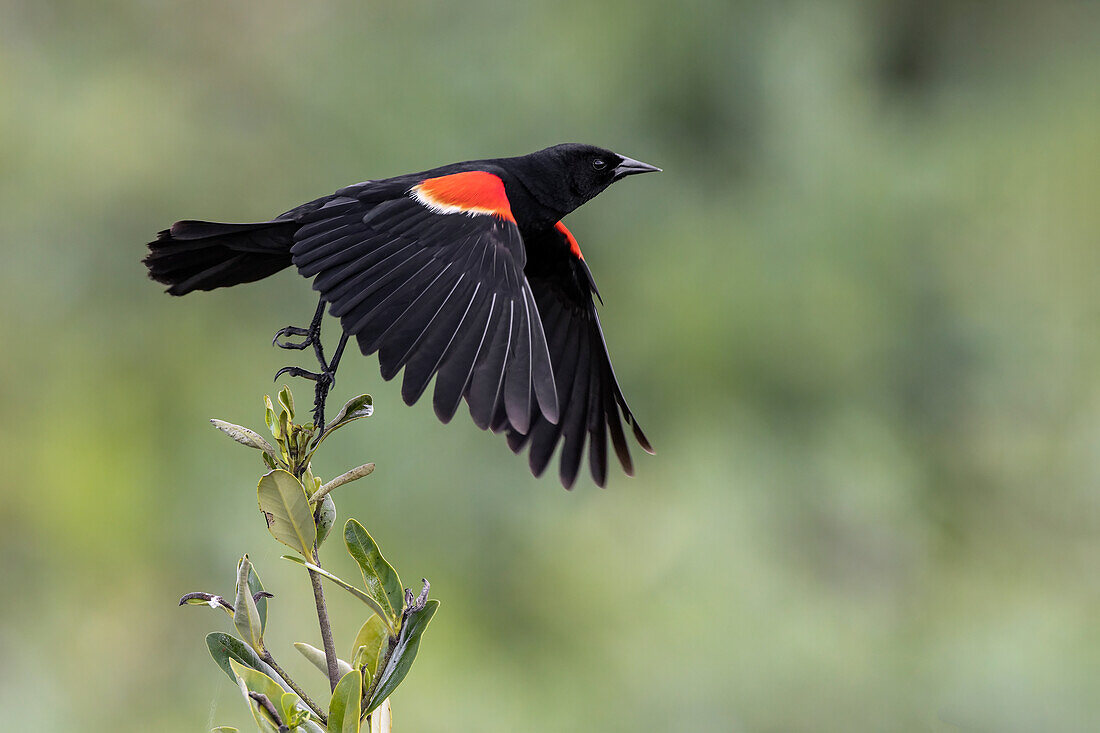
point(473, 193)
point(574, 248)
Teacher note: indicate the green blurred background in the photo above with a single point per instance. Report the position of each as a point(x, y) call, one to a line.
point(857, 315)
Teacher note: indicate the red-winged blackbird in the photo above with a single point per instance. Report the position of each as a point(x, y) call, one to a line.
point(464, 272)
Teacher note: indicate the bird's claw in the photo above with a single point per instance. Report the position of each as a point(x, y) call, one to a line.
point(323, 379)
point(297, 372)
point(285, 333)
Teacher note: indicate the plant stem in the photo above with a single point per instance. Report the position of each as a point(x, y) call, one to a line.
point(294, 686)
point(326, 626)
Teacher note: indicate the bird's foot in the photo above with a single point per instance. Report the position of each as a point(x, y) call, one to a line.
point(289, 331)
point(324, 380)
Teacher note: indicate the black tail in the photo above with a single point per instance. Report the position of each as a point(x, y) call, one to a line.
point(203, 255)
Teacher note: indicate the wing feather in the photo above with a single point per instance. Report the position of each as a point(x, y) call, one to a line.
point(488, 374)
point(517, 381)
point(458, 362)
point(591, 404)
point(427, 357)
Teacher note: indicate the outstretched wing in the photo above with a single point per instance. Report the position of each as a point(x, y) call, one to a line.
point(589, 395)
point(429, 273)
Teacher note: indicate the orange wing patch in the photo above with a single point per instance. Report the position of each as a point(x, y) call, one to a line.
point(472, 193)
point(574, 248)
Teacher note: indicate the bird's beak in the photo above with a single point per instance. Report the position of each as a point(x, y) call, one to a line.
point(631, 167)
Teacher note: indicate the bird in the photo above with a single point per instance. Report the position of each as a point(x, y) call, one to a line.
point(465, 273)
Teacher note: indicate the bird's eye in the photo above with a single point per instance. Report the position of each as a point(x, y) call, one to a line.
point(599, 164)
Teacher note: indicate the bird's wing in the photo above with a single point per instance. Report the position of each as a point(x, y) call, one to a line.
point(588, 392)
point(429, 273)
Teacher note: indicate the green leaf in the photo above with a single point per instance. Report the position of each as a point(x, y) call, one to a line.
point(318, 658)
point(224, 729)
point(326, 517)
point(254, 681)
point(304, 436)
point(246, 616)
point(286, 399)
point(294, 713)
point(269, 418)
point(284, 423)
point(244, 436)
point(343, 708)
point(224, 647)
point(285, 506)
point(346, 586)
point(255, 586)
point(354, 409)
point(403, 654)
point(370, 645)
point(380, 578)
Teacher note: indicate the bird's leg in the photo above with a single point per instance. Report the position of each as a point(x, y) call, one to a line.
point(312, 334)
point(326, 376)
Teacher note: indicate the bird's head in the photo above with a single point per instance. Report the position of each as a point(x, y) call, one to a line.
point(577, 173)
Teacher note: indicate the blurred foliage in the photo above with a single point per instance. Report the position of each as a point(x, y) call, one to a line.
point(857, 315)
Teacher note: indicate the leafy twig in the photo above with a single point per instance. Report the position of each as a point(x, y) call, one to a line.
point(387, 643)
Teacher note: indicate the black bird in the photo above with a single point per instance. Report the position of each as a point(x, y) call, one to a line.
point(464, 272)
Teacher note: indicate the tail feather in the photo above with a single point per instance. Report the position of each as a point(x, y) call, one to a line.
point(203, 255)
